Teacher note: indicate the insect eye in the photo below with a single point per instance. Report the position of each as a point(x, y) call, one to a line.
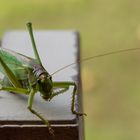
point(49, 77)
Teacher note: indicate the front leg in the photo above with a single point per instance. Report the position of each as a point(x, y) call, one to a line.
point(15, 90)
point(66, 86)
point(30, 103)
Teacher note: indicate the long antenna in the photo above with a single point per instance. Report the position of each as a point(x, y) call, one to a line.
point(96, 56)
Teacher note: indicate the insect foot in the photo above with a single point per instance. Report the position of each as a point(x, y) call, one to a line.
point(79, 113)
point(51, 131)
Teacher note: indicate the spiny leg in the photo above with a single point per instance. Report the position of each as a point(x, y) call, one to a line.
point(30, 103)
point(66, 85)
point(58, 92)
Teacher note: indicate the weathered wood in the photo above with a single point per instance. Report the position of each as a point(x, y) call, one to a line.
point(57, 49)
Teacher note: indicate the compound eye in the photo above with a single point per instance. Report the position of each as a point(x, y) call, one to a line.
point(49, 77)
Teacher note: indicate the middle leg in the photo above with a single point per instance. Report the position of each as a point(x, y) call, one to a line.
point(66, 86)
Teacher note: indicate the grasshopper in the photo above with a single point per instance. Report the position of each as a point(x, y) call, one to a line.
point(27, 76)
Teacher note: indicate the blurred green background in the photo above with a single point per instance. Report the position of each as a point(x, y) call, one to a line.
point(111, 85)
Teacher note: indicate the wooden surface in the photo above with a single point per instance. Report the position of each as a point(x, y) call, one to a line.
point(57, 49)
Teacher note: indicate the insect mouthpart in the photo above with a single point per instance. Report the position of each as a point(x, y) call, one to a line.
point(45, 97)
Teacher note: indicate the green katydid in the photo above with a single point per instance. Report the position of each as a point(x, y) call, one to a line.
point(26, 75)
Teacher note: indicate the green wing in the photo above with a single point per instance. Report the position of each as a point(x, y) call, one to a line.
point(18, 63)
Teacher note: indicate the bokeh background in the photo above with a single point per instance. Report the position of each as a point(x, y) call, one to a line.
point(111, 84)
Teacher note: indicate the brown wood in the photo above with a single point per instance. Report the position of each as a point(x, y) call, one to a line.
point(57, 49)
